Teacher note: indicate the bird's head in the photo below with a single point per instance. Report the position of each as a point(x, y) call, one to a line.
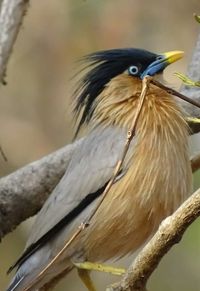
point(105, 66)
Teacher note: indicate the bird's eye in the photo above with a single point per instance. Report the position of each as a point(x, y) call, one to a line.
point(133, 70)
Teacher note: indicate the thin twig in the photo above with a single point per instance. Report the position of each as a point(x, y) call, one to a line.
point(130, 135)
point(3, 154)
point(195, 162)
point(83, 225)
point(68, 243)
point(176, 93)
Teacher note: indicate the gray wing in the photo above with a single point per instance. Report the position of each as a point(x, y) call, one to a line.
point(91, 166)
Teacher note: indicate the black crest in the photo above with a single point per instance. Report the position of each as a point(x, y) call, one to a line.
point(105, 65)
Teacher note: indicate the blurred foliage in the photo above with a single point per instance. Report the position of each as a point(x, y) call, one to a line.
point(197, 17)
point(35, 114)
point(186, 80)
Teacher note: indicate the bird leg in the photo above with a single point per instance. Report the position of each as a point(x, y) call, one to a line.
point(193, 119)
point(100, 267)
point(84, 269)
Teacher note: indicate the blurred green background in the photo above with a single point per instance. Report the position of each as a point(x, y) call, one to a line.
point(35, 113)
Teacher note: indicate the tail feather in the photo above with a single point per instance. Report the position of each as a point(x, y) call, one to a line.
point(22, 280)
point(15, 282)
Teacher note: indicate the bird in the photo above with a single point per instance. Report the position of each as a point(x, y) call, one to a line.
point(155, 177)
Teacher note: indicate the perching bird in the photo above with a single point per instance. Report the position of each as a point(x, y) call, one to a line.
point(154, 180)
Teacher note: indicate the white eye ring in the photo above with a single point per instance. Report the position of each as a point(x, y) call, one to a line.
point(133, 70)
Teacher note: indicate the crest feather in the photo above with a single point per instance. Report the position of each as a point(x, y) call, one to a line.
point(103, 66)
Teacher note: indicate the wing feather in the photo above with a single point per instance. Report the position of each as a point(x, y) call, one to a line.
point(91, 167)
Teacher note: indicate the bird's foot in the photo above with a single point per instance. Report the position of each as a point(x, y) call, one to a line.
point(100, 267)
point(84, 269)
point(193, 119)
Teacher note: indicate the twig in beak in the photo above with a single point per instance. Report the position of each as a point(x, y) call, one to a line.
point(176, 93)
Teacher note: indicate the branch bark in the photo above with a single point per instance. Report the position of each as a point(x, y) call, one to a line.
point(11, 16)
point(23, 192)
point(169, 233)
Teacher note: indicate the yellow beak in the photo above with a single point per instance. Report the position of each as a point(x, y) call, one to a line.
point(161, 62)
point(173, 56)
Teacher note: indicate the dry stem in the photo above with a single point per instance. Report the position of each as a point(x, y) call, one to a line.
point(195, 162)
point(3, 155)
point(176, 93)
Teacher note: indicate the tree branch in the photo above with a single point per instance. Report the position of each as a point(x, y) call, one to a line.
point(23, 192)
point(195, 162)
point(169, 233)
point(11, 16)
